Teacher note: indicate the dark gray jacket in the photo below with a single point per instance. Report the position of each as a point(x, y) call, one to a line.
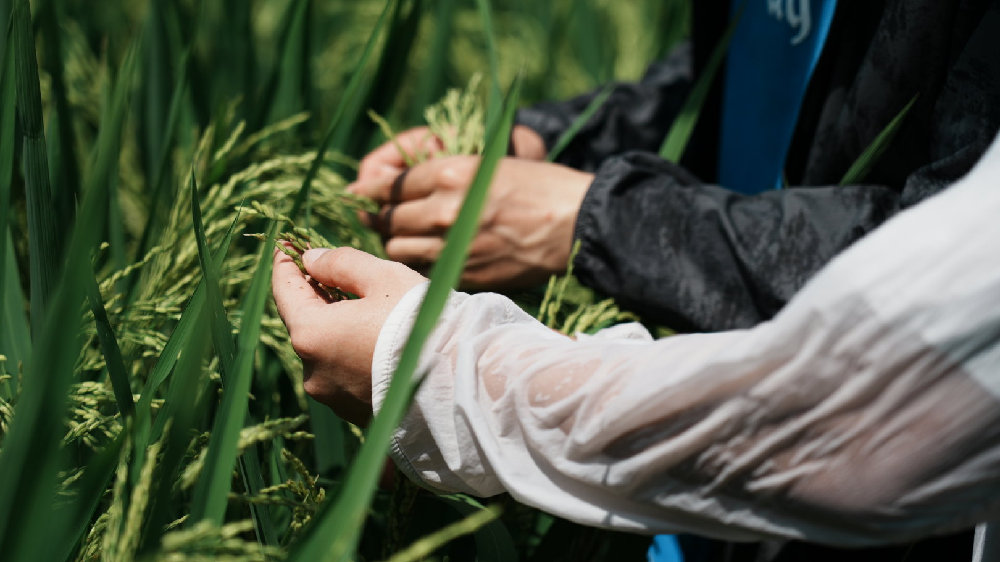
point(664, 241)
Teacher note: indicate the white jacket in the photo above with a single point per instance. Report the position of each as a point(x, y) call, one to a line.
point(867, 411)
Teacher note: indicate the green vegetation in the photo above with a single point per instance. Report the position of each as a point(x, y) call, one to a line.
point(151, 406)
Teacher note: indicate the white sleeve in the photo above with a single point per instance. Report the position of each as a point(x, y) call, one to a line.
point(866, 412)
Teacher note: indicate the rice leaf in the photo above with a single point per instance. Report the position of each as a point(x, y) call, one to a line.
point(15, 338)
point(350, 91)
point(213, 487)
point(861, 167)
point(63, 161)
point(329, 443)
point(155, 85)
point(179, 340)
point(32, 453)
point(355, 134)
point(160, 174)
point(112, 353)
point(680, 131)
point(493, 107)
point(7, 129)
point(74, 520)
point(235, 53)
point(336, 531)
point(45, 234)
point(585, 23)
point(103, 171)
point(391, 68)
point(186, 399)
point(222, 330)
point(36, 430)
point(226, 350)
point(5, 10)
point(567, 136)
point(268, 99)
point(425, 546)
point(493, 541)
point(293, 84)
point(433, 80)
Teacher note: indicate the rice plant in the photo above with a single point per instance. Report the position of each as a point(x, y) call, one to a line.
point(151, 406)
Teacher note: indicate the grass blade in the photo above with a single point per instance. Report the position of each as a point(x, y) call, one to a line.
point(112, 353)
point(293, 84)
point(564, 139)
point(433, 79)
point(32, 451)
point(32, 454)
point(7, 130)
point(495, 98)
point(179, 340)
point(222, 330)
point(212, 489)
point(73, 521)
point(861, 167)
point(392, 68)
point(226, 350)
point(15, 338)
point(335, 532)
point(350, 91)
point(64, 164)
point(493, 541)
point(159, 174)
point(185, 400)
point(45, 234)
point(426, 546)
point(680, 131)
point(355, 134)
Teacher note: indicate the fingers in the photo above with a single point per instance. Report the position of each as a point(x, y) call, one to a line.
point(358, 272)
point(453, 173)
point(415, 251)
point(292, 292)
point(432, 216)
point(387, 158)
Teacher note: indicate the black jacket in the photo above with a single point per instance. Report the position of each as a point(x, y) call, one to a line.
point(665, 242)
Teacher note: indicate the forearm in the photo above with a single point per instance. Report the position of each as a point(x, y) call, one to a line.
point(863, 413)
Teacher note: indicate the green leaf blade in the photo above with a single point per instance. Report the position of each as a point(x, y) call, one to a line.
point(335, 534)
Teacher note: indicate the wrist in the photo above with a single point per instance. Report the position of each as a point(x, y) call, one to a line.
point(391, 339)
point(574, 190)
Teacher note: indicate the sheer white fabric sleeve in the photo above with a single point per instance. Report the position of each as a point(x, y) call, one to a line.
point(866, 412)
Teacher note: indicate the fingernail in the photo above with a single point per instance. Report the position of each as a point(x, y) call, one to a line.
point(309, 256)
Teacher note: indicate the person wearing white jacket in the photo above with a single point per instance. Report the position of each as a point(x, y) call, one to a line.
point(866, 412)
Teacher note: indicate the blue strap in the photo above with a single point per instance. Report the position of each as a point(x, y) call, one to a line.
point(772, 55)
point(664, 549)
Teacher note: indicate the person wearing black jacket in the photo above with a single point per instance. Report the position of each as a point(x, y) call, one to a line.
point(662, 238)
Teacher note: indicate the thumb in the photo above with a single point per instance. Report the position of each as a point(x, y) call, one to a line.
point(347, 268)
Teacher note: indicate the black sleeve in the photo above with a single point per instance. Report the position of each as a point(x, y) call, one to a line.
point(697, 257)
point(636, 116)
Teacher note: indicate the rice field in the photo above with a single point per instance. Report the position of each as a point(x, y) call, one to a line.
point(151, 406)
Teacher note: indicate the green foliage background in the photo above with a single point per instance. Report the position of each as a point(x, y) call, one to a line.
point(150, 403)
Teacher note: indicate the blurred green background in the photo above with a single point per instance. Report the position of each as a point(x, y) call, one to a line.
point(138, 142)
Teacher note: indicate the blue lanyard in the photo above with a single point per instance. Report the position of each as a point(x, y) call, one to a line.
point(772, 55)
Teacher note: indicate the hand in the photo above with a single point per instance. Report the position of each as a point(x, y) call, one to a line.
point(386, 159)
point(336, 341)
point(526, 228)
